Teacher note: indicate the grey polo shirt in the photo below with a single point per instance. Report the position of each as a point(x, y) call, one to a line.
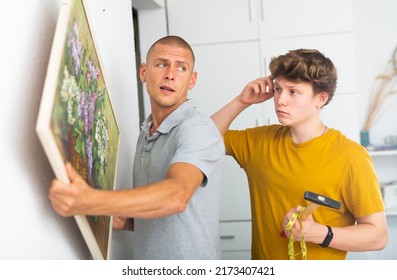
point(188, 136)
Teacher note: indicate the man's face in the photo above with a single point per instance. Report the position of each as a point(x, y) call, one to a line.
point(169, 75)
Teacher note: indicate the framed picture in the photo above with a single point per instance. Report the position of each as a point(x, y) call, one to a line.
point(76, 121)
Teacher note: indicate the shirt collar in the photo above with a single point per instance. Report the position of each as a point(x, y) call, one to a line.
point(172, 120)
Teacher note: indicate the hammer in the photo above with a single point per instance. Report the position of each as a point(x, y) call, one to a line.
point(316, 201)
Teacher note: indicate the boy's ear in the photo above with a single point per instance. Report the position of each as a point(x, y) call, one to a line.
point(322, 98)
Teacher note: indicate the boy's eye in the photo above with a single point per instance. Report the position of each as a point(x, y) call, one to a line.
point(277, 89)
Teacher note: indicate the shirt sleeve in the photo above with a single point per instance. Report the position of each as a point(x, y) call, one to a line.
point(363, 191)
point(200, 145)
point(237, 145)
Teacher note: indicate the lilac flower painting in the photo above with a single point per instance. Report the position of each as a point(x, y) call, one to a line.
point(76, 120)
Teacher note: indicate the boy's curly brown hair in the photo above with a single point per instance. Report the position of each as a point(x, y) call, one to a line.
point(307, 65)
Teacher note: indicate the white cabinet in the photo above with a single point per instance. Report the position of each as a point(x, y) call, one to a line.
point(213, 21)
point(338, 47)
point(236, 240)
point(333, 115)
point(290, 18)
point(223, 70)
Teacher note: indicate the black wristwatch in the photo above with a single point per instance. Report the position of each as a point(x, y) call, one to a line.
point(328, 238)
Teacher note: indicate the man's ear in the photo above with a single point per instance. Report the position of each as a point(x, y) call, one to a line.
point(193, 79)
point(142, 72)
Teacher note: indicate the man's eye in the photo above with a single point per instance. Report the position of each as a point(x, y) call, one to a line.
point(182, 68)
point(162, 65)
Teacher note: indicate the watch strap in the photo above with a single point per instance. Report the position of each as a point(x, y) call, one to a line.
point(328, 238)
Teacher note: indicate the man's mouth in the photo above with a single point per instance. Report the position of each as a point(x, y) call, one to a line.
point(167, 88)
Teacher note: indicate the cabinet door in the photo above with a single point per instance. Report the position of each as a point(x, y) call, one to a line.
point(342, 114)
point(223, 70)
point(338, 47)
point(284, 18)
point(236, 240)
point(209, 21)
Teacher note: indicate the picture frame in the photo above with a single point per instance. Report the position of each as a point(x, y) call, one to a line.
point(76, 121)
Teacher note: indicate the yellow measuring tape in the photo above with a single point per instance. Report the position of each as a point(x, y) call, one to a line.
point(291, 251)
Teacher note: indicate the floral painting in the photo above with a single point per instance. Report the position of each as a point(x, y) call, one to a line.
point(82, 121)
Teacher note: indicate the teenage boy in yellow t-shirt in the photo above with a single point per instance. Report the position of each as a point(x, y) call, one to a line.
point(302, 154)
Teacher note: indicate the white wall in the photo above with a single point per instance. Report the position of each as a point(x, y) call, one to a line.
point(375, 38)
point(30, 228)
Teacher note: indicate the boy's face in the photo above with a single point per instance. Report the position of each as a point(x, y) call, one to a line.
point(169, 75)
point(295, 102)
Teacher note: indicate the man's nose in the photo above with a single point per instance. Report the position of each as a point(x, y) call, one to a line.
point(169, 75)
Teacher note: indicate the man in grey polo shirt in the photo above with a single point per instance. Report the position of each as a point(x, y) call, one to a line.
point(177, 168)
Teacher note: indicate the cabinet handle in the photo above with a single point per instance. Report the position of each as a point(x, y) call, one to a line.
point(228, 236)
point(261, 10)
point(252, 11)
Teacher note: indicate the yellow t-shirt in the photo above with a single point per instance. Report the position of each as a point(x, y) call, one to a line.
point(280, 171)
